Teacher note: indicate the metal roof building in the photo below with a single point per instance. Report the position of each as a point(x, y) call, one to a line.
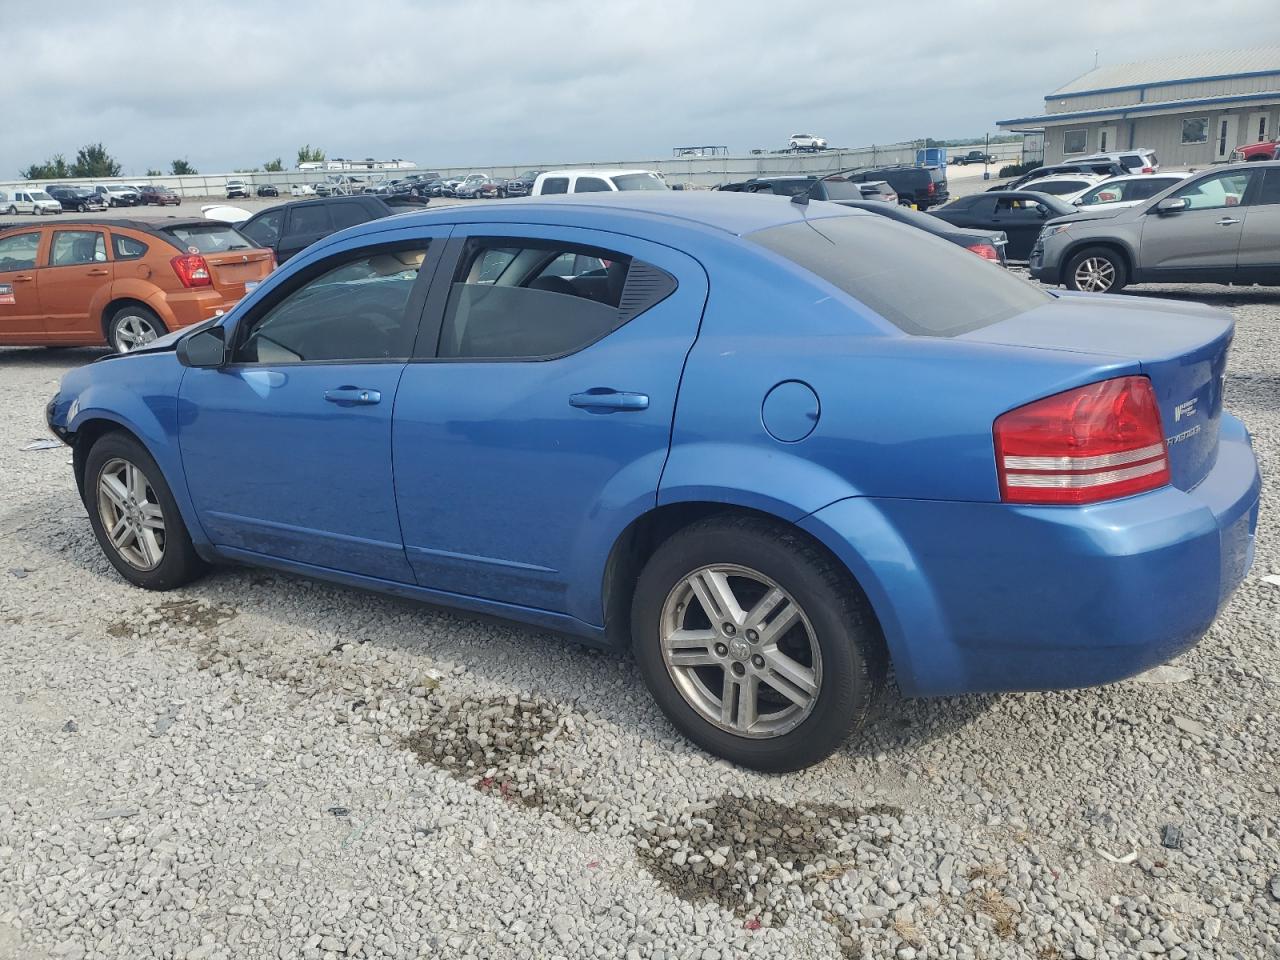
point(1192, 110)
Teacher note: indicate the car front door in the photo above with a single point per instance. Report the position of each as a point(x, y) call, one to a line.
point(1203, 240)
point(287, 448)
point(306, 223)
point(1259, 258)
point(1021, 218)
point(540, 425)
point(21, 319)
point(76, 272)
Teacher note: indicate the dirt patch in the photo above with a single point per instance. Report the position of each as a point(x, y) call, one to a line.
point(199, 615)
point(1003, 912)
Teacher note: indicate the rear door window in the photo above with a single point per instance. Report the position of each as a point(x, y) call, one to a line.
point(932, 289)
point(555, 185)
point(309, 219)
point(349, 214)
point(265, 230)
point(1270, 192)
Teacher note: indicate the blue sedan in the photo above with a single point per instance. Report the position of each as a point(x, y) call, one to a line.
point(770, 447)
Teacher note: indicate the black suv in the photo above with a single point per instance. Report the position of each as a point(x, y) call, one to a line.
point(522, 185)
point(292, 227)
point(834, 187)
point(923, 187)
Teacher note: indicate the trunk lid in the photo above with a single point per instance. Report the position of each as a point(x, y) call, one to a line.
point(233, 272)
point(1182, 347)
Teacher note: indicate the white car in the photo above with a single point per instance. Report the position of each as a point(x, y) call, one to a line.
point(1137, 160)
point(302, 190)
point(118, 195)
point(1064, 185)
point(237, 188)
point(1127, 191)
point(31, 200)
point(596, 181)
point(807, 141)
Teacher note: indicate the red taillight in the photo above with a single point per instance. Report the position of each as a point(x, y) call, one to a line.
point(932, 189)
point(192, 269)
point(985, 250)
point(1097, 442)
point(1148, 169)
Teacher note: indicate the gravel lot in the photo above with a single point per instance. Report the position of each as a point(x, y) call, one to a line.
point(260, 766)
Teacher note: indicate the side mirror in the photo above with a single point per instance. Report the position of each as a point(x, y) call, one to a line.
point(206, 348)
point(1172, 205)
point(1042, 210)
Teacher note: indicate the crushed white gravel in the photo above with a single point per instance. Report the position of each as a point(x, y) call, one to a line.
point(261, 766)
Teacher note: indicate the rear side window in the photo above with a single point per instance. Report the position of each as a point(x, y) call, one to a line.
point(590, 185)
point(310, 218)
point(348, 215)
point(555, 185)
point(926, 287)
point(127, 248)
point(19, 252)
point(209, 238)
point(639, 181)
point(841, 188)
point(1270, 192)
point(74, 247)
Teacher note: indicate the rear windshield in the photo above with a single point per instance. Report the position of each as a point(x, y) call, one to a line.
point(921, 284)
point(639, 181)
point(838, 188)
point(209, 238)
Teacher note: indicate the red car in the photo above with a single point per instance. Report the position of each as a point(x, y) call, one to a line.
point(1268, 150)
point(160, 196)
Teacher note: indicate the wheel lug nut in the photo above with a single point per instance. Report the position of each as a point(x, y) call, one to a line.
point(730, 629)
point(758, 662)
point(738, 669)
point(752, 636)
point(721, 650)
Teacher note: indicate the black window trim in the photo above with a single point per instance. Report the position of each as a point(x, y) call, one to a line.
point(413, 307)
point(427, 348)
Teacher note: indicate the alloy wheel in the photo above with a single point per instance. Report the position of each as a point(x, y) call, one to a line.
point(131, 515)
point(132, 332)
point(1095, 275)
point(741, 651)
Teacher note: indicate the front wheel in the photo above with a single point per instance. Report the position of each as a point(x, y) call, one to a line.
point(756, 644)
point(13, 211)
point(133, 326)
point(1096, 270)
point(135, 517)
point(81, 208)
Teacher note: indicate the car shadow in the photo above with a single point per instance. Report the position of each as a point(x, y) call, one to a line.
point(51, 357)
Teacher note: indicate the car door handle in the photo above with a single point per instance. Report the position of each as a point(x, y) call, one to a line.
point(353, 396)
point(1228, 221)
point(606, 400)
point(25, 278)
point(98, 273)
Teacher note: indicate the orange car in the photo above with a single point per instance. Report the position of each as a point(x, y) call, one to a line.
point(120, 282)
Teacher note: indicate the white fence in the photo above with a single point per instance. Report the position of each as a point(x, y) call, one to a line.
point(691, 171)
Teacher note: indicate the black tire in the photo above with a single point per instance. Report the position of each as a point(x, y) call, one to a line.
point(1107, 265)
point(179, 563)
point(120, 321)
point(81, 208)
point(853, 661)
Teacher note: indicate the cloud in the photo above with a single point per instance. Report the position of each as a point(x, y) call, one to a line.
point(554, 80)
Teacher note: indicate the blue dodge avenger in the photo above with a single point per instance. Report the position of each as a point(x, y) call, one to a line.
point(770, 447)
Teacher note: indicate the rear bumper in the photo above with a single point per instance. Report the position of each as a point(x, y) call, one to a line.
point(983, 597)
point(193, 306)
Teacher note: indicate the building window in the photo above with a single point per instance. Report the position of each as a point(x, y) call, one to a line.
point(1075, 141)
point(1195, 130)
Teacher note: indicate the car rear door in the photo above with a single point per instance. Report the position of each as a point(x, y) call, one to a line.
point(287, 448)
point(77, 271)
point(21, 319)
point(1259, 257)
point(538, 427)
point(1203, 241)
point(305, 224)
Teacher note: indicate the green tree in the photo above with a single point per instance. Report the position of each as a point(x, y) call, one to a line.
point(92, 160)
point(182, 168)
point(154, 173)
point(55, 168)
point(309, 154)
point(274, 166)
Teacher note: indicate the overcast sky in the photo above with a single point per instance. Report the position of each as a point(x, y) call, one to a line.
point(234, 84)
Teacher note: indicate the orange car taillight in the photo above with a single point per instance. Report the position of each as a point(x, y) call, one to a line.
point(1097, 442)
point(192, 269)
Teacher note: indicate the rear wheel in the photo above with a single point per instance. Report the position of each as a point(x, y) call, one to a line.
point(755, 644)
point(133, 326)
point(13, 211)
point(135, 517)
point(1096, 270)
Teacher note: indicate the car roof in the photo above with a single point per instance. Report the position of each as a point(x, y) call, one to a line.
point(727, 212)
point(594, 172)
point(153, 227)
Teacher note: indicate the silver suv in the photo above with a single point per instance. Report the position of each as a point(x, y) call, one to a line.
point(1220, 226)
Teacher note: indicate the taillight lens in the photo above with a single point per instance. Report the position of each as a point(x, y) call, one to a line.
point(986, 251)
point(192, 269)
point(1097, 442)
point(932, 188)
point(1148, 169)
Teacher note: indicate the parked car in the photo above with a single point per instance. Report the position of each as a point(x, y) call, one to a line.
point(596, 181)
point(1268, 150)
point(522, 185)
point(973, 156)
point(79, 199)
point(466, 188)
point(120, 282)
point(834, 187)
point(302, 190)
point(988, 244)
point(159, 195)
point(118, 195)
point(806, 141)
point(921, 187)
point(931, 431)
point(1102, 168)
point(1219, 226)
point(237, 188)
point(267, 190)
point(1138, 160)
point(491, 188)
point(405, 192)
point(31, 200)
point(1119, 192)
point(290, 228)
point(1065, 185)
point(1019, 213)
